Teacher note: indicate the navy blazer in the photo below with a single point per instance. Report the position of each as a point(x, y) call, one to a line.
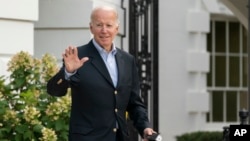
point(97, 106)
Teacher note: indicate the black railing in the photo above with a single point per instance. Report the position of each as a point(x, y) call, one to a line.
point(143, 44)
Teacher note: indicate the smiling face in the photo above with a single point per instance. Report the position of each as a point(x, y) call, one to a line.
point(104, 26)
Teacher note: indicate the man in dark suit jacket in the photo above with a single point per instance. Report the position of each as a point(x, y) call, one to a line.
point(104, 85)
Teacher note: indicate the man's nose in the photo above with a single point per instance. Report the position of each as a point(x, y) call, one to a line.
point(104, 28)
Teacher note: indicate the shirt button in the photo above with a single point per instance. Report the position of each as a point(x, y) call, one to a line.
point(116, 110)
point(114, 130)
point(115, 92)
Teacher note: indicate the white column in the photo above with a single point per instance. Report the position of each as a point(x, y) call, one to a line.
point(183, 64)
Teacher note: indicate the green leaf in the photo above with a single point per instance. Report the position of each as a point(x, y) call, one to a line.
point(18, 137)
point(59, 124)
point(28, 135)
point(21, 128)
point(19, 82)
point(3, 131)
point(5, 140)
point(64, 135)
point(28, 97)
point(37, 128)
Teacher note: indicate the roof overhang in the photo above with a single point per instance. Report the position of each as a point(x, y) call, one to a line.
point(240, 9)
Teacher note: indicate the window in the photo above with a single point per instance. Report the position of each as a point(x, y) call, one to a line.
point(227, 79)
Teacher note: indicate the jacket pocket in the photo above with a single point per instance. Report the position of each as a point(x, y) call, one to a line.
point(81, 130)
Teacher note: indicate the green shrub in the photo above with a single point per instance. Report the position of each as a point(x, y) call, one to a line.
point(27, 112)
point(201, 136)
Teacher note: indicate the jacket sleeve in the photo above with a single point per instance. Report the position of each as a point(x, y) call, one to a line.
point(58, 85)
point(136, 108)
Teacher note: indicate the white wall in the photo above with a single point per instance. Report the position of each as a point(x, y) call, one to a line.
point(63, 23)
point(16, 28)
point(183, 64)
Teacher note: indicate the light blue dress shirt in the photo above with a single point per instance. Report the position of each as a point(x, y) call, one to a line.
point(109, 60)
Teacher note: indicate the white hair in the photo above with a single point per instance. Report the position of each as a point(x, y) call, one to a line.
point(108, 8)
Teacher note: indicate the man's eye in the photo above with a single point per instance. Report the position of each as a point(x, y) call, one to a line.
point(109, 26)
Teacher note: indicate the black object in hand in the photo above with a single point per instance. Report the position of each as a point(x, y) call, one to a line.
point(154, 137)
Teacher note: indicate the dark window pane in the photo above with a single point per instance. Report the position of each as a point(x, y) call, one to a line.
point(220, 71)
point(209, 49)
point(231, 106)
point(209, 39)
point(244, 37)
point(243, 100)
point(217, 98)
point(234, 71)
point(209, 74)
point(234, 37)
point(208, 117)
point(245, 72)
point(220, 34)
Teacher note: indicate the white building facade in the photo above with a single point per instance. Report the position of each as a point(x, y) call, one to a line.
point(17, 19)
point(49, 26)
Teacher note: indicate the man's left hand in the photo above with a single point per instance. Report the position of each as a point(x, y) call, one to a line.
point(147, 132)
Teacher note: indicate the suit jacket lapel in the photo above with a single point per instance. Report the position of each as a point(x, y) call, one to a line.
point(98, 63)
point(120, 66)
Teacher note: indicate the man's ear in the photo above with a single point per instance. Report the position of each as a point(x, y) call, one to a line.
point(117, 28)
point(90, 27)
